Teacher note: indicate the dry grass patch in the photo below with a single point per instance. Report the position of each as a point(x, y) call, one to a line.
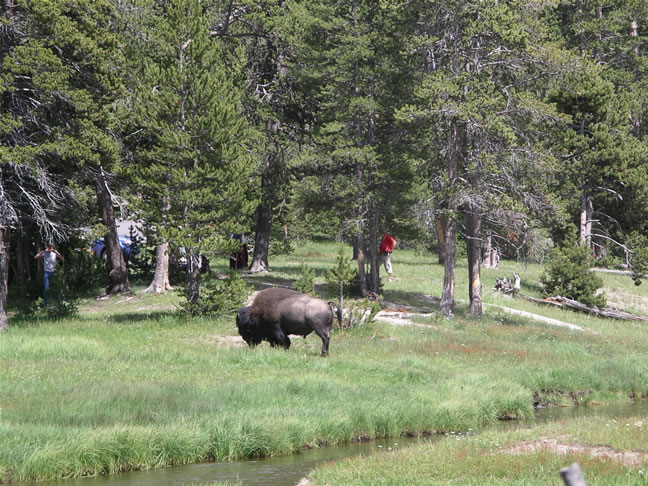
point(223, 341)
point(623, 299)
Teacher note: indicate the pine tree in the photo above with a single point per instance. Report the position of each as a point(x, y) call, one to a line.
point(605, 174)
point(358, 75)
point(340, 275)
point(59, 81)
point(483, 123)
point(275, 102)
point(193, 164)
point(568, 273)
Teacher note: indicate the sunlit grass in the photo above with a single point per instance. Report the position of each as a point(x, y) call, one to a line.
point(131, 384)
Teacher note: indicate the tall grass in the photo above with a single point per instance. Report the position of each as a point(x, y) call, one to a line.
point(130, 384)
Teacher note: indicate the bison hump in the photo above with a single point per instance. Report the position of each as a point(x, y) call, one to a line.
point(266, 303)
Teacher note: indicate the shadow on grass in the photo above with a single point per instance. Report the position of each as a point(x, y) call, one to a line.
point(294, 270)
point(135, 317)
point(322, 290)
point(42, 319)
point(532, 288)
point(29, 321)
point(262, 281)
point(509, 320)
point(422, 302)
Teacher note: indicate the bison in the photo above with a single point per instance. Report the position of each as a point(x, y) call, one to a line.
point(277, 312)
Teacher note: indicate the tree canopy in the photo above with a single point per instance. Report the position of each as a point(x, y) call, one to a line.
point(340, 118)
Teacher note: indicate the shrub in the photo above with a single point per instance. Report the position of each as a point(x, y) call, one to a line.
point(61, 302)
point(609, 261)
point(638, 244)
point(218, 297)
point(305, 282)
point(569, 274)
point(141, 259)
point(340, 276)
point(84, 274)
point(360, 312)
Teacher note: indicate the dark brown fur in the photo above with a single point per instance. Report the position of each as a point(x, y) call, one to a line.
point(276, 313)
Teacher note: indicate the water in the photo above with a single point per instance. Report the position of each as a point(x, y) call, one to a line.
point(288, 470)
point(275, 471)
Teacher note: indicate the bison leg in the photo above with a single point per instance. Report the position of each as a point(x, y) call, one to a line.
point(253, 341)
point(325, 335)
point(278, 338)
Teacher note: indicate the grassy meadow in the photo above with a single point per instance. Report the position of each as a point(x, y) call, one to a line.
point(130, 384)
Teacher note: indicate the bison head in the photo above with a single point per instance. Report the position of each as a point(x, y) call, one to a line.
point(247, 327)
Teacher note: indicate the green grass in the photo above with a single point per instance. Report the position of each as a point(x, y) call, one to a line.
point(504, 457)
point(130, 384)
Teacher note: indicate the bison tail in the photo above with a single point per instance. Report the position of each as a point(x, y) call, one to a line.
point(335, 311)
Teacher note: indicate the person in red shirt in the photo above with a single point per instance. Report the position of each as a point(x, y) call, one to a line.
point(387, 245)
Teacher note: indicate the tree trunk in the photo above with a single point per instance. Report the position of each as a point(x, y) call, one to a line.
point(359, 244)
point(587, 209)
point(491, 258)
point(450, 247)
point(340, 309)
point(450, 250)
point(160, 283)
point(473, 245)
point(262, 238)
point(4, 277)
point(263, 229)
point(117, 271)
point(22, 272)
point(374, 276)
point(440, 230)
point(360, 254)
point(193, 278)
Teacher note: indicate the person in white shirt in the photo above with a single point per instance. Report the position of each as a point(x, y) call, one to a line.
point(49, 257)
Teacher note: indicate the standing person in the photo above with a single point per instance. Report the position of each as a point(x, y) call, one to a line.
point(387, 245)
point(239, 259)
point(49, 256)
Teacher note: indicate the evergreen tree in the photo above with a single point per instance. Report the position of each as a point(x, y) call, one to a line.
point(193, 165)
point(305, 282)
point(59, 81)
point(568, 273)
point(337, 277)
point(604, 177)
point(353, 52)
point(480, 64)
point(275, 101)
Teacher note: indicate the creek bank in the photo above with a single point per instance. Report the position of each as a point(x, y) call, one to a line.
point(293, 469)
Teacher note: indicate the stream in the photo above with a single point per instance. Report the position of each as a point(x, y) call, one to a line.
point(288, 470)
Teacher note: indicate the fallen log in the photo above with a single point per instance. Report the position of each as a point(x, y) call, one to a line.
point(508, 287)
point(607, 312)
